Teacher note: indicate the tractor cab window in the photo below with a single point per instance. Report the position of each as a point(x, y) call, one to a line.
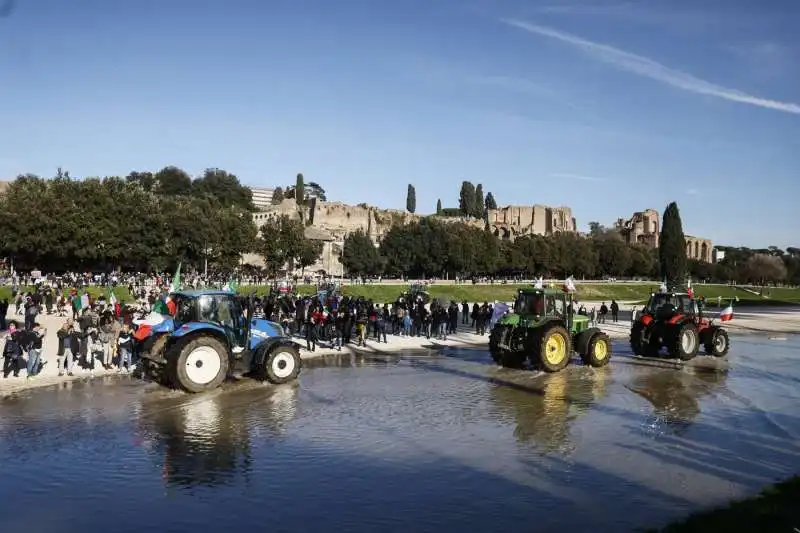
point(185, 309)
point(555, 306)
point(529, 304)
point(657, 302)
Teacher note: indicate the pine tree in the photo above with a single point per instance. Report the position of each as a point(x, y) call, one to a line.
point(439, 206)
point(479, 210)
point(466, 199)
point(411, 199)
point(300, 190)
point(672, 248)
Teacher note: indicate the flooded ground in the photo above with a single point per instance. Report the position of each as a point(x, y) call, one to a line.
point(406, 442)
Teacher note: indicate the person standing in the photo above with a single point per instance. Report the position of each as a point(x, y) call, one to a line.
point(12, 352)
point(614, 311)
point(34, 341)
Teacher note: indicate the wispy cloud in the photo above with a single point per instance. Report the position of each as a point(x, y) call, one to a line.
point(654, 70)
point(692, 192)
point(579, 177)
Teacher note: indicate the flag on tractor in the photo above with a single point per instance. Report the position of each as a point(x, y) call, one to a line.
point(727, 313)
point(663, 286)
point(231, 286)
point(689, 289)
point(539, 283)
point(569, 285)
point(167, 305)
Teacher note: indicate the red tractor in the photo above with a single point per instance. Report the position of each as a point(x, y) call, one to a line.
point(673, 320)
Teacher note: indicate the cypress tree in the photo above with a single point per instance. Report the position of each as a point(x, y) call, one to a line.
point(479, 210)
point(672, 248)
point(466, 199)
point(439, 206)
point(300, 190)
point(411, 199)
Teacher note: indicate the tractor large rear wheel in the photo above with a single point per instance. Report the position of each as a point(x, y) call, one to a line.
point(555, 349)
point(282, 364)
point(685, 342)
point(200, 365)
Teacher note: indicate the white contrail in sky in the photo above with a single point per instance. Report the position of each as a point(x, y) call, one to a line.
point(652, 69)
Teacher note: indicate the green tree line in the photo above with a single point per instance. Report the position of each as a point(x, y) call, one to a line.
point(431, 248)
point(145, 221)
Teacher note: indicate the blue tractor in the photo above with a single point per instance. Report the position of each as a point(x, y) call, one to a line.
point(210, 336)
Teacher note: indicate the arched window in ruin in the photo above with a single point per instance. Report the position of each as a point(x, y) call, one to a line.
point(704, 250)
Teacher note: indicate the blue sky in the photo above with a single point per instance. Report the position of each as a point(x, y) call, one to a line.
point(608, 107)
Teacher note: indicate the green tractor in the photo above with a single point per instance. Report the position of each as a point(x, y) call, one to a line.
point(543, 328)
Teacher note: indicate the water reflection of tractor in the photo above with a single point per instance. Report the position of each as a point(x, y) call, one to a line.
point(675, 396)
point(208, 442)
point(544, 408)
point(417, 293)
point(544, 329)
point(210, 335)
point(675, 322)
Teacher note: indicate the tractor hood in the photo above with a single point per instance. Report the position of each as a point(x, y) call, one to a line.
point(580, 322)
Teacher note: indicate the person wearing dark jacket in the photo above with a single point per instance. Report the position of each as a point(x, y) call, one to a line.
point(33, 343)
point(65, 354)
point(12, 352)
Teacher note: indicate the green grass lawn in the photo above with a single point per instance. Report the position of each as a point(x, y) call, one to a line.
point(776, 510)
point(489, 293)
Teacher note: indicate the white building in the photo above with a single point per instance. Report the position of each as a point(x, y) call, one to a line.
point(262, 196)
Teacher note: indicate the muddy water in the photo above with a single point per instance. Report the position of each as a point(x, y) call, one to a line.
point(410, 442)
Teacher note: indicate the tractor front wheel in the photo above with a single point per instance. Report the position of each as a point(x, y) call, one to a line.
point(598, 351)
point(282, 364)
point(555, 349)
point(718, 343)
point(201, 365)
point(685, 342)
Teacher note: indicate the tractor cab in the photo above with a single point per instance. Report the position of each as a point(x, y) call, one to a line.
point(194, 309)
point(666, 304)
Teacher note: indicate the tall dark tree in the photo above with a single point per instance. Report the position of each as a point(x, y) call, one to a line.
point(672, 248)
point(466, 199)
point(480, 208)
point(490, 202)
point(300, 190)
point(411, 199)
point(439, 206)
point(277, 196)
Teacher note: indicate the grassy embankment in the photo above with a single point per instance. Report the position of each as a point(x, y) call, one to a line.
point(775, 510)
point(627, 292)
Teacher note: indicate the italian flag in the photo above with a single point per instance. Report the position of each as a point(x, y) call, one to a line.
point(689, 289)
point(727, 313)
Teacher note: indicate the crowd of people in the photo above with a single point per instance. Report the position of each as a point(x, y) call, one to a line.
point(340, 320)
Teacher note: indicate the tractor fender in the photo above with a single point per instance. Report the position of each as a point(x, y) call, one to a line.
point(581, 342)
point(646, 320)
point(267, 345)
